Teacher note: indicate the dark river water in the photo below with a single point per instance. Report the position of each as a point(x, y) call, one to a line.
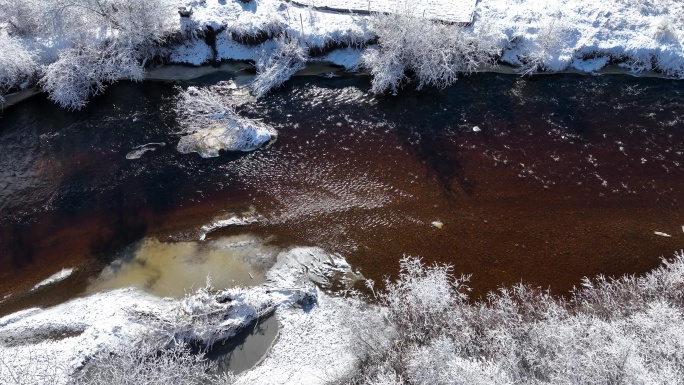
point(544, 179)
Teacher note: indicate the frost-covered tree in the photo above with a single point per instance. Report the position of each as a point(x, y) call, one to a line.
point(276, 66)
point(120, 35)
point(627, 330)
point(435, 52)
point(83, 72)
point(17, 65)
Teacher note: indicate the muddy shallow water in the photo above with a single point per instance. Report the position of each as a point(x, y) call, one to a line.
point(544, 179)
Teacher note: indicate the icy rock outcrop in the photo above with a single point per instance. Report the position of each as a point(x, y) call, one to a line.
point(210, 122)
point(311, 264)
point(228, 135)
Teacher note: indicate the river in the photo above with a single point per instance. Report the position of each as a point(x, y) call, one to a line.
point(543, 179)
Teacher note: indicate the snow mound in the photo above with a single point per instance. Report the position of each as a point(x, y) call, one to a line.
point(315, 347)
point(443, 10)
point(311, 264)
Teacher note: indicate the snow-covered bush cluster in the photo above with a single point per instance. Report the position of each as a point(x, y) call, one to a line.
point(82, 72)
point(436, 53)
point(18, 65)
point(84, 44)
point(628, 331)
point(72, 38)
point(210, 123)
point(133, 366)
point(275, 67)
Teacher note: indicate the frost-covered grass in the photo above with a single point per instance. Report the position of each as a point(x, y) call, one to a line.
point(629, 330)
point(131, 366)
point(121, 366)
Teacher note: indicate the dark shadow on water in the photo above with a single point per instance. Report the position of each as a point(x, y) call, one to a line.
point(16, 242)
point(425, 132)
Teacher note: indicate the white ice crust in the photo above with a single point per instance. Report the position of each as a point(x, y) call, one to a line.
point(57, 277)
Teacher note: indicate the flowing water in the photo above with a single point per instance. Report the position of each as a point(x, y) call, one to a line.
point(544, 179)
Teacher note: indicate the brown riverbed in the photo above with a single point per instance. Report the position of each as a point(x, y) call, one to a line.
point(565, 177)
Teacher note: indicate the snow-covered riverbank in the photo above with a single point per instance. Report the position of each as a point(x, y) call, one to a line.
point(314, 334)
point(532, 35)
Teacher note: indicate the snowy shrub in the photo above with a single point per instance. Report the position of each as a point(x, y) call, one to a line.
point(627, 330)
point(436, 53)
point(134, 366)
point(26, 17)
point(210, 123)
point(277, 66)
point(549, 49)
point(418, 313)
point(17, 65)
point(117, 35)
point(83, 21)
point(80, 73)
point(29, 366)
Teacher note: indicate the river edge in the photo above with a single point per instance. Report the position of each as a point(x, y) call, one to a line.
point(175, 72)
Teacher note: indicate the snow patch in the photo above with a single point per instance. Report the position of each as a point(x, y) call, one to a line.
point(590, 65)
point(57, 277)
point(221, 223)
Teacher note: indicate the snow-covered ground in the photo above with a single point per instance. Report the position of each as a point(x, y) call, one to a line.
point(585, 34)
point(581, 34)
point(533, 35)
point(460, 11)
point(314, 344)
